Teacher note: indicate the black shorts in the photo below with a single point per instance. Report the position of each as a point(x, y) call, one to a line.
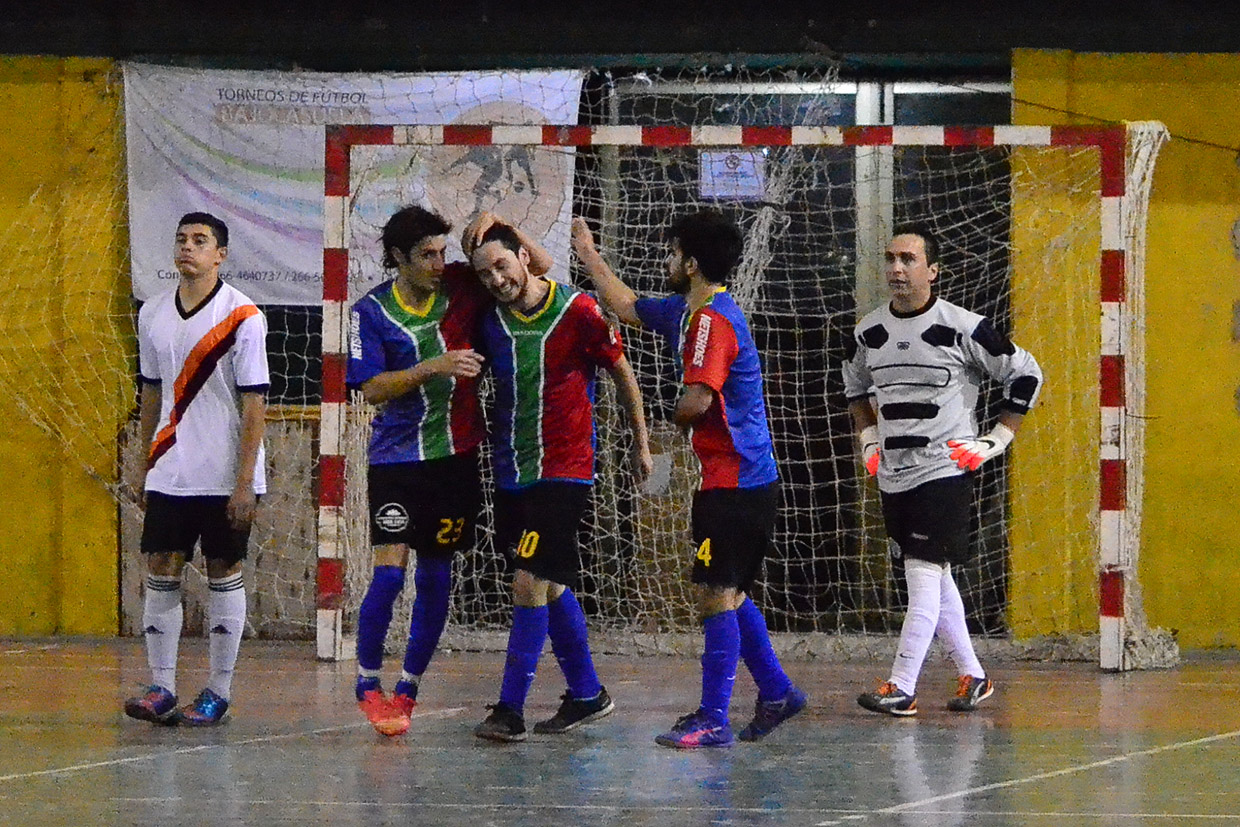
point(931, 522)
point(430, 506)
point(174, 524)
point(537, 527)
point(732, 530)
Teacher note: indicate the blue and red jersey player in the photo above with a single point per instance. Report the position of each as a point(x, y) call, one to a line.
point(734, 510)
point(545, 343)
point(731, 439)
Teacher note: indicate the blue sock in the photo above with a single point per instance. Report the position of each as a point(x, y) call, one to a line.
point(375, 614)
point(525, 644)
point(719, 658)
point(433, 580)
point(761, 660)
point(566, 626)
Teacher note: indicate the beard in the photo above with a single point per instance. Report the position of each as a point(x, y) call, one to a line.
point(677, 281)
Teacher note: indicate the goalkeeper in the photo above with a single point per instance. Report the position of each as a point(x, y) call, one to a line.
point(912, 378)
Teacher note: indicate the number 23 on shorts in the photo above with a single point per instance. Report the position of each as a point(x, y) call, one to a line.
point(703, 552)
point(450, 530)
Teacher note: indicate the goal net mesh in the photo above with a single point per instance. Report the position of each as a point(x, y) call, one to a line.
point(1020, 230)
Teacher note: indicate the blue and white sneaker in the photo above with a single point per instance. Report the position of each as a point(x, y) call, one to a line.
point(206, 710)
point(695, 731)
point(158, 705)
point(769, 714)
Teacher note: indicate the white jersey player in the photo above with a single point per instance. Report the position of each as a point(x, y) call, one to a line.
point(912, 379)
point(202, 360)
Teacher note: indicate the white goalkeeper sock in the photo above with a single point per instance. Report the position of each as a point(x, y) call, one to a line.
point(953, 630)
point(161, 624)
point(920, 620)
point(226, 616)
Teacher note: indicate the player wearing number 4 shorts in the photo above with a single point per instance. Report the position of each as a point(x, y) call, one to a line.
point(734, 512)
point(411, 353)
point(545, 343)
point(912, 383)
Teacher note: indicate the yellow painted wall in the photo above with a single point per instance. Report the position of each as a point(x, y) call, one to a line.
point(1056, 244)
point(61, 243)
point(1192, 472)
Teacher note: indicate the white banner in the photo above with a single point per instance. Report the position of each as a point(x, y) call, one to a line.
point(248, 147)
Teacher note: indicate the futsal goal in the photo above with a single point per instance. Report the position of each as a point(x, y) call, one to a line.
point(1042, 230)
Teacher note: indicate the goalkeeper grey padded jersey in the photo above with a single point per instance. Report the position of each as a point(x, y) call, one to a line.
point(924, 370)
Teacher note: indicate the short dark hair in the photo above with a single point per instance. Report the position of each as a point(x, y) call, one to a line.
point(217, 226)
point(712, 239)
point(406, 229)
point(504, 234)
point(928, 239)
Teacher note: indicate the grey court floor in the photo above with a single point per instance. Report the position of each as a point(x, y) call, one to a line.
point(1057, 745)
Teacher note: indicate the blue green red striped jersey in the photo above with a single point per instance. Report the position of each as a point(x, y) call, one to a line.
point(732, 439)
point(545, 364)
point(443, 417)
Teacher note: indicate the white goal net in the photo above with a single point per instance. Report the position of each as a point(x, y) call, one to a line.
point(1037, 224)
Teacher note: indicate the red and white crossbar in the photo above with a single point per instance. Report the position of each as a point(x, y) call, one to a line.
point(1114, 554)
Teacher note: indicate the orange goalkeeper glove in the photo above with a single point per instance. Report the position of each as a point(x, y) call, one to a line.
point(869, 449)
point(971, 453)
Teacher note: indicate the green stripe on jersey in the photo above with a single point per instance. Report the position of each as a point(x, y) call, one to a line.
point(529, 337)
point(435, 425)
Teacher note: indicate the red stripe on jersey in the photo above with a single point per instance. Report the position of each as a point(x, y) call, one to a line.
point(581, 342)
point(198, 367)
point(467, 301)
point(709, 351)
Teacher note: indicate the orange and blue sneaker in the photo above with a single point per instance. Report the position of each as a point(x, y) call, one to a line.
point(158, 705)
point(697, 730)
point(970, 692)
point(206, 710)
point(405, 697)
point(890, 700)
point(769, 714)
point(384, 716)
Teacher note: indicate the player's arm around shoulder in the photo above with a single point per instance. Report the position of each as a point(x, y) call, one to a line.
point(615, 295)
point(392, 384)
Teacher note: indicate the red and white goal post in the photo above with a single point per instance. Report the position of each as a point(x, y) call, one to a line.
point(1062, 208)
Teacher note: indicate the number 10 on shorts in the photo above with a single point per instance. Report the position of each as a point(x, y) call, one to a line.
point(527, 544)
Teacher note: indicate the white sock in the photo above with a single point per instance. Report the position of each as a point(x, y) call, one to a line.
point(226, 622)
point(954, 631)
point(161, 624)
point(920, 620)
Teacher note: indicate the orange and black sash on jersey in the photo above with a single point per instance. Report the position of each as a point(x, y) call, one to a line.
point(194, 374)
